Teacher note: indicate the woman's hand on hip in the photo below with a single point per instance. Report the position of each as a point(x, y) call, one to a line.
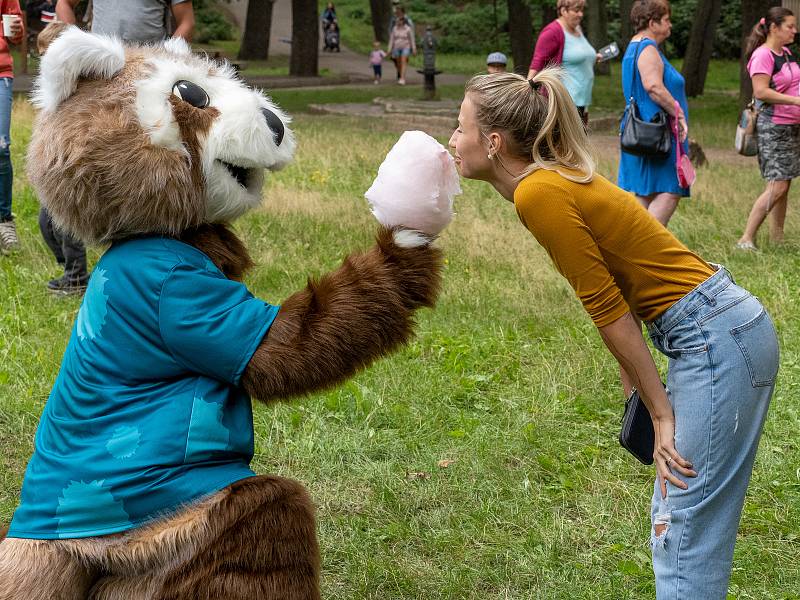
point(666, 457)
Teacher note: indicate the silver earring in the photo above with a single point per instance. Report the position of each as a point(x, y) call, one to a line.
point(490, 156)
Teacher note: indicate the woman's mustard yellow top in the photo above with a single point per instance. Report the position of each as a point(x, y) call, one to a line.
point(615, 255)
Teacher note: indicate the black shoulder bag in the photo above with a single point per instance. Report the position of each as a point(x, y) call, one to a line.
point(643, 138)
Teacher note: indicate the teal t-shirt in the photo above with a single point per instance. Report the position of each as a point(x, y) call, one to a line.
point(578, 63)
point(147, 412)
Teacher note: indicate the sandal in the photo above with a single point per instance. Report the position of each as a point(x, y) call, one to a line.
point(748, 246)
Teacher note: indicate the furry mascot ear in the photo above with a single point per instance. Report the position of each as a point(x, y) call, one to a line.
point(177, 46)
point(72, 55)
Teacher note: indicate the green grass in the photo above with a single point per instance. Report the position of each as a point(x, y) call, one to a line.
point(507, 378)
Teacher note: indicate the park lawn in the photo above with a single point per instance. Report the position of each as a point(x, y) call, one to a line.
point(507, 379)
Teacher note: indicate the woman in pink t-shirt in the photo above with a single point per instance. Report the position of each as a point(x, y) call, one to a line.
point(775, 72)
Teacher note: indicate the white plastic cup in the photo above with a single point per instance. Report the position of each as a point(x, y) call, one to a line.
point(8, 20)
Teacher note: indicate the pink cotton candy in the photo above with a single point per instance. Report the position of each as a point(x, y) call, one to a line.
point(415, 185)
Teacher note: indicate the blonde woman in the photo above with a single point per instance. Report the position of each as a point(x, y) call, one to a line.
point(525, 138)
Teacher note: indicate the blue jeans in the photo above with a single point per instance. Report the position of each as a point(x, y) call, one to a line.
point(723, 360)
point(6, 170)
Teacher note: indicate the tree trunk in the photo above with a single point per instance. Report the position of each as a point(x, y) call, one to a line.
point(625, 29)
point(596, 19)
point(752, 11)
point(305, 39)
point(381, 15)
point(255, 39)
point(520, 30)
point(701, 43)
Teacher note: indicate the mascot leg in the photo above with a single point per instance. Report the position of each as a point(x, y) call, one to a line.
point(41, 570)
point(265, 547)
point(256, 539)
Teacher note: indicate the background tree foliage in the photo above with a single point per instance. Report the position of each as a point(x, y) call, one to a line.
point(211, 23)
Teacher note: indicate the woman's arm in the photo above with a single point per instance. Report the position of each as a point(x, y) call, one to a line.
point(651, 70)
point(763, 92)
point(547, 48)
point(65, 10)
point(624, 339)
point(17, 26)
point(184, 20)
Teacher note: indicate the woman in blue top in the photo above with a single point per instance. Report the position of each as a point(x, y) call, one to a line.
point(655, 85)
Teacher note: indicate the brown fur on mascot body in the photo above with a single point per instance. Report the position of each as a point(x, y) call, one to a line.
point(118, 152)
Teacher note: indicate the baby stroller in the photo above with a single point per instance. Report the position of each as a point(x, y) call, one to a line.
point(331, 36)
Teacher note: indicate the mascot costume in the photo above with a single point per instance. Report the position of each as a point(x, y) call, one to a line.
point(139, 486)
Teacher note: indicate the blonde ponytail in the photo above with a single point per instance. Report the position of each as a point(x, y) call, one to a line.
point(539, 119)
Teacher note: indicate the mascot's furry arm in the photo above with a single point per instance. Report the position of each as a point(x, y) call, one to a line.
point(348, 318)
point(363, 310)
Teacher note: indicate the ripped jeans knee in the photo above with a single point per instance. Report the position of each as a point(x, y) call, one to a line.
point(661, 524)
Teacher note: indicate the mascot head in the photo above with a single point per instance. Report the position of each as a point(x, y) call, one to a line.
point(147, 140)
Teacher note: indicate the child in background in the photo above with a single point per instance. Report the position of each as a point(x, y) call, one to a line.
point(496, 62)
point(375, 59)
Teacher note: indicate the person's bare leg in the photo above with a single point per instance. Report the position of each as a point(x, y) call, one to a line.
point(662, 207)
point(763, 206)
point(402, 62)
point(645, 201)
point(777, 216)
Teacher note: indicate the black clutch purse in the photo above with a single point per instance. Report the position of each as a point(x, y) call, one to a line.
point(644, 138)
point(637, 435)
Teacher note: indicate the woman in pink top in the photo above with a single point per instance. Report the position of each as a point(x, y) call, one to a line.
point(401, 45)
point(776, 87)
point(8, 230)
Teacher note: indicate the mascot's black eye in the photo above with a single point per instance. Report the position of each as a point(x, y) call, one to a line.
point(191, 93)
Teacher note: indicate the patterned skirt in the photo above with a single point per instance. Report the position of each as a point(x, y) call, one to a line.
point(778, 149)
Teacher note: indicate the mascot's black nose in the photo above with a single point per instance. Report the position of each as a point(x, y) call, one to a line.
point(275, 124)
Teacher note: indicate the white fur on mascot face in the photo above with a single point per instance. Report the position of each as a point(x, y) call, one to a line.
point(248, 134)
point(251, 133)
